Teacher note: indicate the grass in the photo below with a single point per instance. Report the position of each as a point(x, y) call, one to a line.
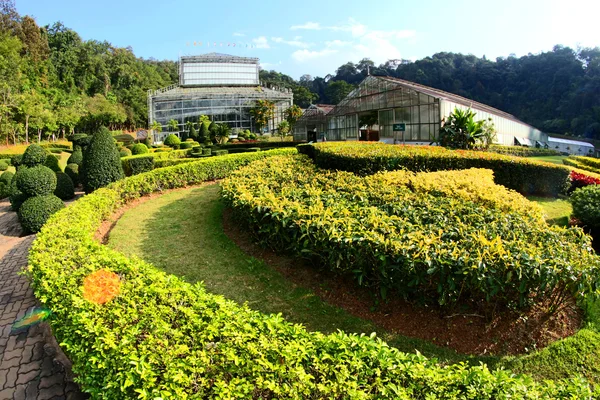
point(550, 159)
point(556, 211)
point(20, 148)
point(182, 233)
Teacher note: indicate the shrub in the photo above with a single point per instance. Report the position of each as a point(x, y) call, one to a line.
point(520, 174)
point(36, 181)
point(73, 171)
point(137, 164)
point(6, 177)
point(76, 157)
point(101, 162)
point(172, 141)
point(3, 165)
point(186, 145)
point(56, 146)
point(34, 155)
point(170, 162)
point(444, 235)
point(585, 163)
point(126, 139)
point(54, 150)
point(206, 151)
point(139, 148)
point(521, 151)
point(580, 180)
point(124, 152)
point(15, 196)
point(35, 211)
point(247, 145)
point(163, 150)
point(16, 160)
point(179, 340)
point(219, 152)
point(65, 189)
point(586, 206)
point(52, 163)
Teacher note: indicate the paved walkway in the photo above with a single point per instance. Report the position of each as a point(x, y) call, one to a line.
point(31, 364)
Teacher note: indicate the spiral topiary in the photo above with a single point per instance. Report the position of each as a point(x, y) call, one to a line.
point(73, 171)
point(101, 162)
point(34, 155)
point(76, 157)
point(65, 190)
point(35, 211)
point(36, 181)
point(139, 148)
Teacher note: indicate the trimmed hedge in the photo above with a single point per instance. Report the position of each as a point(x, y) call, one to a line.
point(101, 162)
point(220, 152)
point(65, 189)
point(4, 165)
point(52, 163)
point(586, 206)
point(16, 197)
point(170, 154)
point(35, 211)
point(139, 148)
point(34, 155)
point(521, 151)
point(76, 157)
point(73, 171)
point(134, 165)
point(585, 163)
point(124, 152)
point(520, 174)
point(168, 163)
point(60, 146)
point(163, 337)
point(5, 181)
point(36, 181)
point(246, 145)
point(172, 141)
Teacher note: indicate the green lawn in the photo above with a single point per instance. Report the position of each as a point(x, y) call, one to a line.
point(556, 211)
point(550, 159)
point(182, 233)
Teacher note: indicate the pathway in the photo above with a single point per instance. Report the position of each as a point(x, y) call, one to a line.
point(31, 364)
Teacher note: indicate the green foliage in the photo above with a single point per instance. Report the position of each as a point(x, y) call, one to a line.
point(65, 189)
point(586, 206)
point(124, 152)
point(36, 181)
point(283, 129)
point(193, 134)
point(172, 141)
point(263, 111)
point(585, 163)
point(522, 151)
point(186, 145)
point(76, 157)
point(5, 181)
point(4, 165)
point(203, 135)
point(101, 162)
point(222, 132)
point(206, 152)
point(219, 152)
point(336, 91)
point(35, 211)
point(520, 174)
point(216, 348)
point(138, 164)
point(124, 138)
point(460, 130)
point(16, 197)
point(16, 160)
point(34, 155)
point(72, 170)
point(52, 163)
point(139, 148)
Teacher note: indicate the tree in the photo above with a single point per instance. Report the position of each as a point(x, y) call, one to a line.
point(30, 104)
point(262, 112)
point(460, 130)
point(283, 129)
point(292, 114)
point(173, 125)
point(222, 132)
point(336, 91)
point(303, 96)
point(101, 162)
point(203, 136)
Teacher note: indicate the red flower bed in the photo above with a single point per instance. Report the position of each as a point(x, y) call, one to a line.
point(580, 180)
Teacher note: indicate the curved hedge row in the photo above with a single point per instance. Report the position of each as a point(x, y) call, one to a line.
point(585, 163)
point(164, 338)
point(521, 151)
point(365, 158)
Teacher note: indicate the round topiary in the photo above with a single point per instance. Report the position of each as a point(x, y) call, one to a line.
point(65, 189)
point(36, 181)
point(6, 177)
point(76, 157)
point(34, 155)
point(17, 160)
point(186, 145)
point(172, 141)
point(52, 163)
point(124, 152)
point(586, 206)
point(139, 148)
point(73, 171)
point(3, 165)
point(35, 211)
point(101, 162)
point(16, 197)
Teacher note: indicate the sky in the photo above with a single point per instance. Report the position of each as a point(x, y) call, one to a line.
point(317, 36)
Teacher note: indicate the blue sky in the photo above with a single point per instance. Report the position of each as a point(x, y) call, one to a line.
point(315, 37)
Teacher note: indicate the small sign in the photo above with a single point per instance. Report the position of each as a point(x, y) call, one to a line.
point(399, 127)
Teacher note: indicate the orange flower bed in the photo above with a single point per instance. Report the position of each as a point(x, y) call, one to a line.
point(101, 286)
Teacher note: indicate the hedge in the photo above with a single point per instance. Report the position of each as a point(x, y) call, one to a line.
point(73, 171)
point(36, 181)
point(139, 148)
point(65, 189)
point(246, 145)
point(585, 163)
point(76, 157)
point(101, 162)
point(60, 146)
point(52, 163)
point(162, 337)
point(520, 174)
point(586, 206)
point(34, 155)
point(35, 211)
point(168, 163)
point(134, 165)
point(4, 165)
point(521, 151)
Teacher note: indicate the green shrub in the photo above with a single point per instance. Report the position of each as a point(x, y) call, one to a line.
point(247, 145)
point(586, 206)
point(165, 336)
point(186, 145)
point(134, 165)
point(172, 141)
point(73, 171)
point(65, 190)
point(6, 177)
point(126, 139)
point(520, 174)
point(36, 181)
point(444, 235)
point(124, 152)
point(4, 165)
point(139, 148)
point(34, 155)
point(169, 154)
point(76, 157)
point(170, 162)
point(15, 196)
point(220, 152)
point(52, 163)
point(56, 146)
point(16, 160)
point(206, 151)
point(521, 151)
point(35, 211)
point(101, 162)
point(163, 150)
point(586, 163)
point(54, 150)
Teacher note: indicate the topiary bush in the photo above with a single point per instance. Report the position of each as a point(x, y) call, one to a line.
point(139, 148)
point(186, 145)
point(52, 163)
point(36, 181)
point(16, 161)
point(76, 157)
point(586, 206)
point(124, 152)
point(65, 190)
point(101, 162)
point(73, 171)
point(172, 141)
point(34, 155)
point(35, 211)
point(137, 164)
point(6, 177)
point(4, 165)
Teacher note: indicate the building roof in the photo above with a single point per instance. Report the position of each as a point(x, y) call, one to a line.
point(220, 91)
point(326, 108)
point(569, 141)
point(316, 111)
point(219, 57)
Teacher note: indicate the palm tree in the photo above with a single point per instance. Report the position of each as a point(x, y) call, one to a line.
point(222, 131)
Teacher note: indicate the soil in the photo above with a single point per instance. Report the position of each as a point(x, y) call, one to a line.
point(508, 332)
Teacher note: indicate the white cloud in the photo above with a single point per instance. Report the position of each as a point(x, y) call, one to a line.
point(266, 65)
point(311, 26)
point(294, 43)
point(238, 34)
point(309, 55)
point(261, 42)
point(337, 43)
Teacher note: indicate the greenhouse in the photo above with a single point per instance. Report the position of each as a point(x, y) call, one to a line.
point(371, 110)
point(312, 125)
point(223, 87)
